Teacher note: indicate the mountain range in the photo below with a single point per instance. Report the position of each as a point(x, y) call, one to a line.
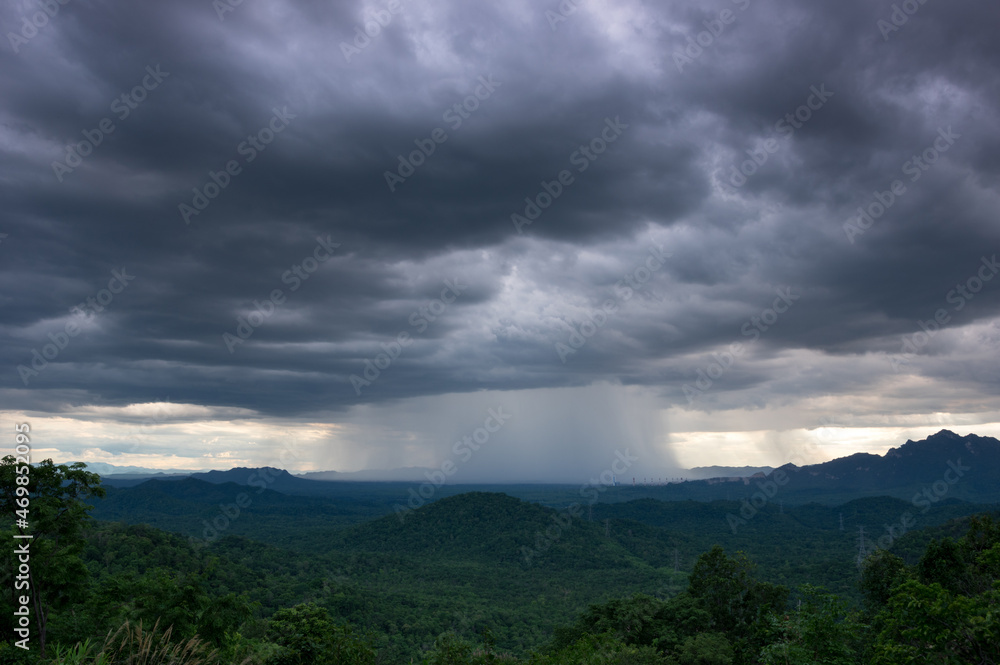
point(944, 464)
point(496, 554)
point(406, 474)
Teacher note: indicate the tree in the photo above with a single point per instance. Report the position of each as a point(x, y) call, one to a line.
point(738, 603)
point(881, 572)
point(640, 621)
point(602, 650)
point(56, 520)
point(930, 624)
point(175, 600)
point(950, 614)
point(944, 563)
point(450, 649)
point(309, 637)
point(681, 617)
point(632, 620)
point(820, 632)
point(705, 649)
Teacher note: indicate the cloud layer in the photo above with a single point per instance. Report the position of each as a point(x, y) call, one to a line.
point(506, 197)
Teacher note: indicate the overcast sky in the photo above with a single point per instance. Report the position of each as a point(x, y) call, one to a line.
point(566, 213)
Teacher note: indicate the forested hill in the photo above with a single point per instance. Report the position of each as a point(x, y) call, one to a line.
point(490, 527)
point(792, 543)
point(465, 578)
point(466, 561)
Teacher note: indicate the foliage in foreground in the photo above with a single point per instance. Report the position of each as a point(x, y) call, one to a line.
point(131, 644)
point(942, 609)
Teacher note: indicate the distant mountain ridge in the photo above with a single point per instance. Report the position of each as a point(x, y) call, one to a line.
point(265, 477)
point(405, 474)
point(706, 472)
point(919, 461)
point(627, 531)
point(105, 469)
point(964, 467)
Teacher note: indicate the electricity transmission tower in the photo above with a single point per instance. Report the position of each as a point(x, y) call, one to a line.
point(862, 550)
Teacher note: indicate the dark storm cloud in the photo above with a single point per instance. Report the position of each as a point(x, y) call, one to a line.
point(665, 181)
